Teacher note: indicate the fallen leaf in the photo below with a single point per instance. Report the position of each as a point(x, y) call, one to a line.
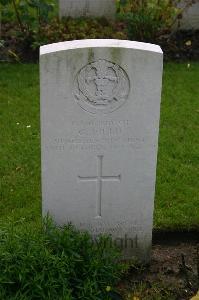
point(188, 43)
point(196, 297)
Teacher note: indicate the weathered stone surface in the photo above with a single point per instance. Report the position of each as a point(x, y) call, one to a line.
point(190, 16)
point(96, 8)
point(100, 102)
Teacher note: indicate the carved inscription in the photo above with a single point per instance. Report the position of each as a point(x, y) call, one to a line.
point(97, 135)
point(101, 87)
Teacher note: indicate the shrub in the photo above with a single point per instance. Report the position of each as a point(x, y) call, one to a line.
point(148, 19)
point(80, 28)
point(29, 14)
point(28, 24)
point(55, 263)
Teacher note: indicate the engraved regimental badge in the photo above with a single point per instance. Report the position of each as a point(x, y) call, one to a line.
point(101, 87)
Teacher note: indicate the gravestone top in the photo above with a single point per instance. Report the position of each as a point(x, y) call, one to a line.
point(95, 43)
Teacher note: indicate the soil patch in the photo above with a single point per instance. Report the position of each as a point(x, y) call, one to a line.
point(173, 273)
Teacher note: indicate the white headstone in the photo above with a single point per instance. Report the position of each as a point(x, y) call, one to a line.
point(190, 16)
point(87, 8)
point(100, 103)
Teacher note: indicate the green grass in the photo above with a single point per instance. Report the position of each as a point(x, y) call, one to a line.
point(19, 145)
point(177, 188)
point(176, 203)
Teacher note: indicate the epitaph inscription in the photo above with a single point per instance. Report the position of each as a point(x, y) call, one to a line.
point(101, 87)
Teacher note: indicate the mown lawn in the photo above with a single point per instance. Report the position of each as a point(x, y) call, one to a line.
point(177, 188)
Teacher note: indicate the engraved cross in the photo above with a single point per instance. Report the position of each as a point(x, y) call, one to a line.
point(99, 178)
